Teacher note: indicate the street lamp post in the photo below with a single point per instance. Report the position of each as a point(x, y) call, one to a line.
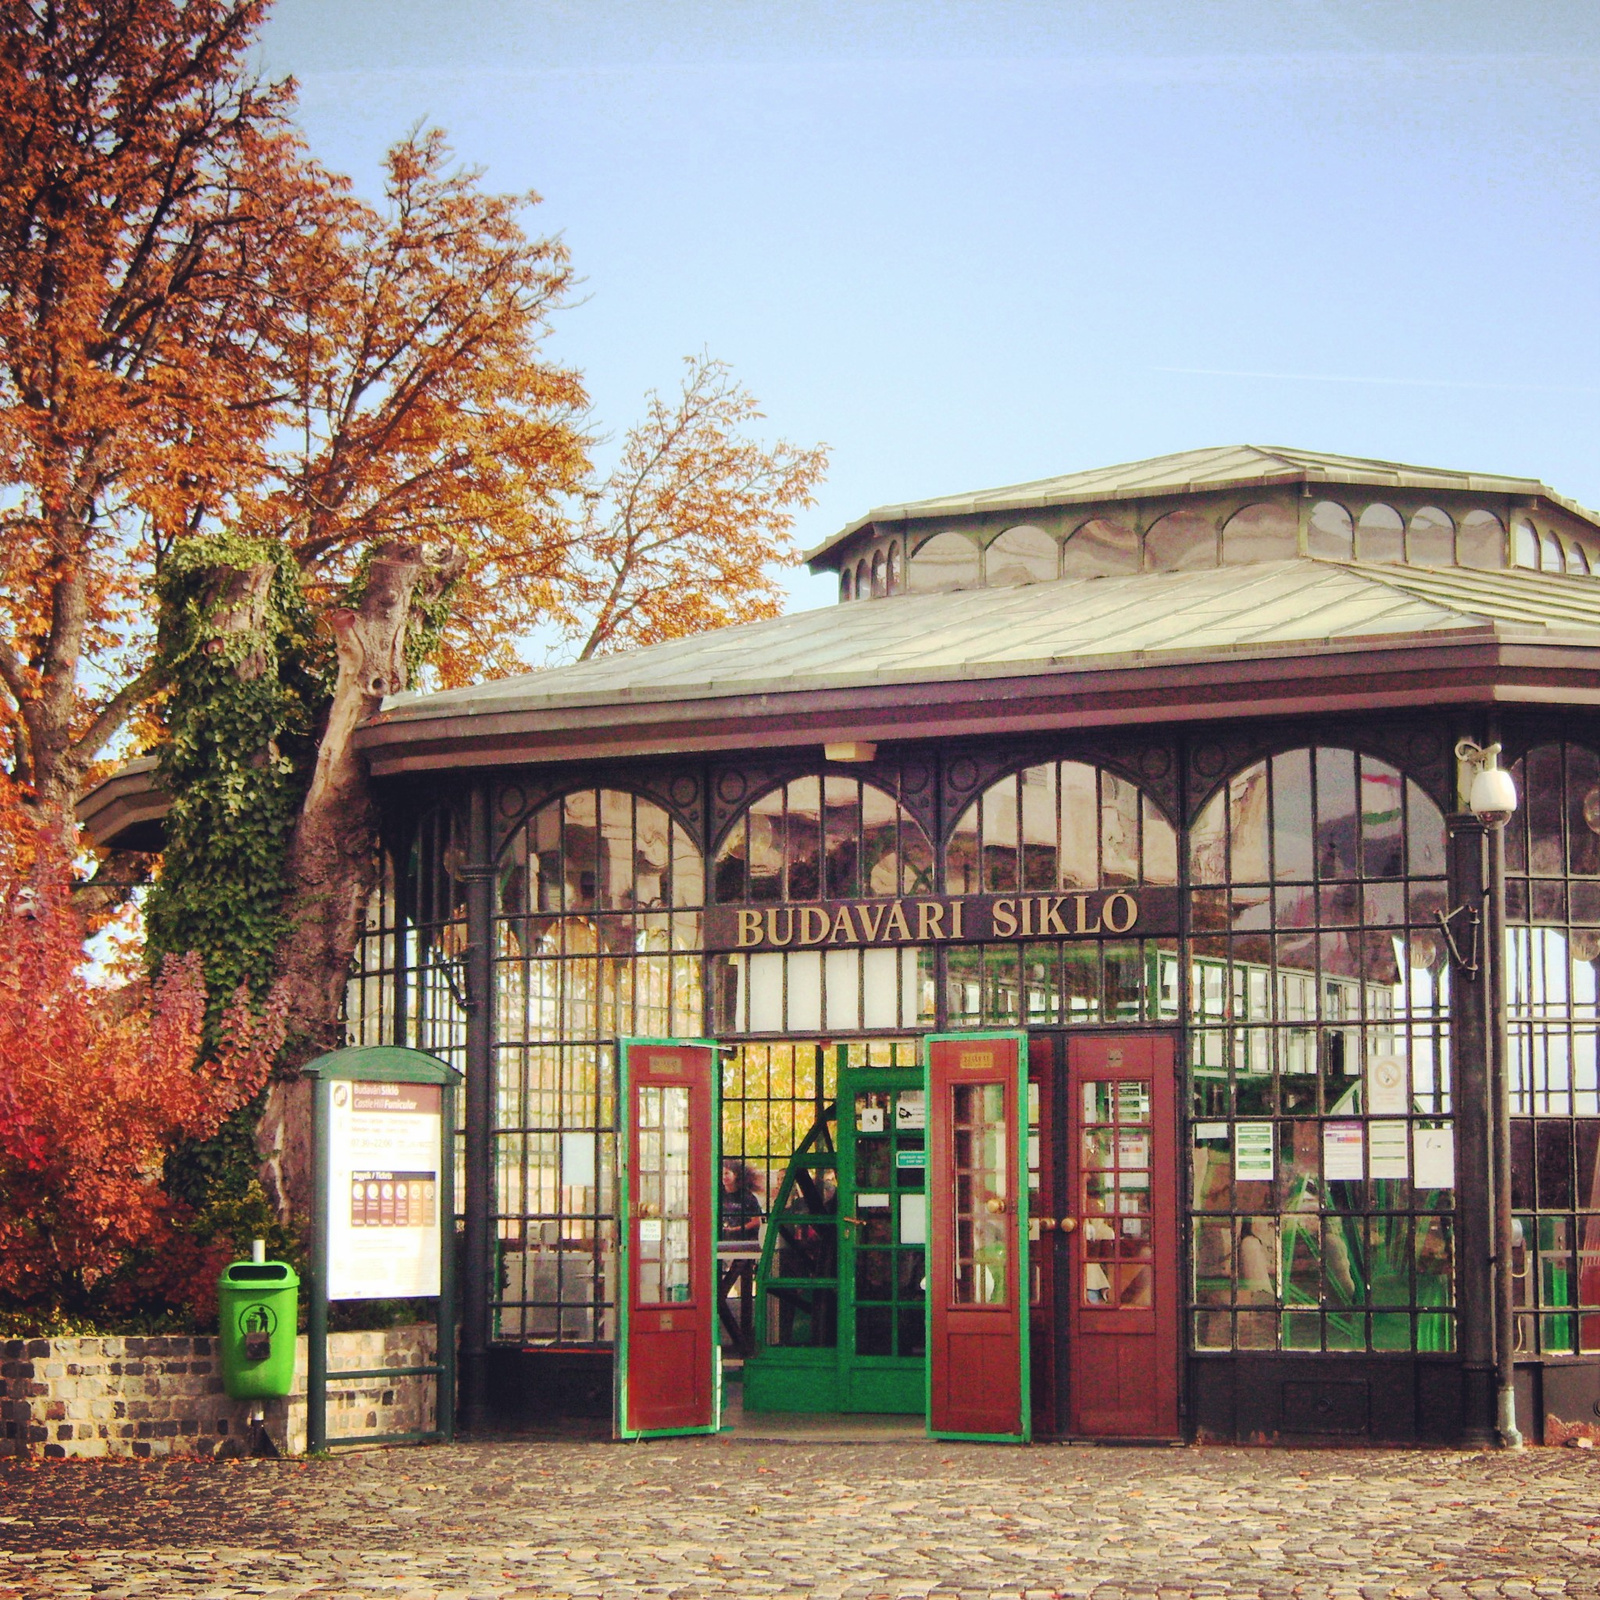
point(1492, 799)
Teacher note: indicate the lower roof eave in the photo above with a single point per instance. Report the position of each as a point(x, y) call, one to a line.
point(1478, 673)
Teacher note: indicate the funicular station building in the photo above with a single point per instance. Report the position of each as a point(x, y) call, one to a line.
point(1093, 961)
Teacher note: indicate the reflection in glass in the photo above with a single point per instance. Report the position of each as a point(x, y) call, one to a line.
point(1481, 541)
point(1265, 532)
point(1101, 549)
point(1331, 534)
point(1380, 535)
point(1021, 555)
point(1430, 540)
point(982, 1244)
point(1182, 541)
point(946, 561)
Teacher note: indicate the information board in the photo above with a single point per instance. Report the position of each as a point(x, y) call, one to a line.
point(385, 1150)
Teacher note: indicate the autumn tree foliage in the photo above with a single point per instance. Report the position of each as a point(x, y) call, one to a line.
point(96, 1088)
point(146, 184)
point(226, 379)
point(686, 530)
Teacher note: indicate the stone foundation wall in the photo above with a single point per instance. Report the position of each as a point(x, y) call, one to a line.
point(163, 1395)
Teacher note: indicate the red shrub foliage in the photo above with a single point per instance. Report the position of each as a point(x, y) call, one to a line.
point(96, 1085)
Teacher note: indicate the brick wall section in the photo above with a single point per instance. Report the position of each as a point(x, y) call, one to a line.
point(161, 1396)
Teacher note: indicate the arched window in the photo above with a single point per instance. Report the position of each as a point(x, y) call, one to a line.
point(1380, 535)
point(823, 838)
point(1481, 541)
point(600, 850)
point(893, 576)
point(1331, 534)
point(1022, 555)
point(1316, 814)
point(846, 584)
point(1101, 548)
point(597, 937)
point(879, 589)
point(1320, 1060)
point(1265, 532)
point(1431, 539)
point(1063, 825)
point(946, 561)
point(1575, 564)
point(1182, 541)
point(863, 580)
point(1550, 556)
point(1525, 545)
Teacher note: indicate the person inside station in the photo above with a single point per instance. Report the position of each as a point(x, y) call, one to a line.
point(741, 1205)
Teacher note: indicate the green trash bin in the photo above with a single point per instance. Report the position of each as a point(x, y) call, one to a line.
point(258, 1306)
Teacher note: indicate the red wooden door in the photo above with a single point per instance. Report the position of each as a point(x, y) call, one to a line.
point(1124, 1291)
point(978, 1237)
point(1042, 1213)
point(666, 1348)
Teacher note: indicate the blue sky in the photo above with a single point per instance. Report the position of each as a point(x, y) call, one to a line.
point(969, 245)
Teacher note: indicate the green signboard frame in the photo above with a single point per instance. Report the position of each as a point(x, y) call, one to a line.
point(380, 1064)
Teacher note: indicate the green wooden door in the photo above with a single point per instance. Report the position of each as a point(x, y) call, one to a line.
point(882, 1240)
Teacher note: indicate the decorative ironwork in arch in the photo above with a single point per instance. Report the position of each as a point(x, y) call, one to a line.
point(1060, 825)
point(822, 837)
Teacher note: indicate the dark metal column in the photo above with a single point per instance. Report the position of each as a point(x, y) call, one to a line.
point(1504, 1315)
point(1470, 1079)
point(477, 873)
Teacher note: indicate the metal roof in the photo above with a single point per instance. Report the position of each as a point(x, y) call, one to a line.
point(1300, 602)
point(1195, 471)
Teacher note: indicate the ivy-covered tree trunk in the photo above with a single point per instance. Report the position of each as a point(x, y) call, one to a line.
point(332, 866)
point(246, 679)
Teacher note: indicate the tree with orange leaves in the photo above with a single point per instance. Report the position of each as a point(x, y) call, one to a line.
point(145, 184)
point(684, 533)
point(96, 1088)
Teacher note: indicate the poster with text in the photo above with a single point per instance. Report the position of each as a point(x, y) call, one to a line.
point(385, 1154)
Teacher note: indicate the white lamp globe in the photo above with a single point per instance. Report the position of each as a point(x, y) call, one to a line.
point(1493, 797)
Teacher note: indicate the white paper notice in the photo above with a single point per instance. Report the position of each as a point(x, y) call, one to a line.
point(1434, 1156)
point(1252, 1152)
point(1342, 1151)
point(1389, 1150)
point(913, 1219)
point(383, 1190)
point(1386, 1087)
point(910, 1110)
point(1206, 1132)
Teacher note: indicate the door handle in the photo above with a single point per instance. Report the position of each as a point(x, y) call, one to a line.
point(648, 1208)
point(994, 1204)
point(1067, 1224)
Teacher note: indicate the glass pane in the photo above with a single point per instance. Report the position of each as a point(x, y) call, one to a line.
point(1101, 549)
point(1261, 533)
point(946, 561)
point(662, 1179)
point(1380, 535)
point(1331, 534)
point(1182, 541)
point(1021, 555)
point(1430, 541)
point(982, 1227)
point(1481, 541)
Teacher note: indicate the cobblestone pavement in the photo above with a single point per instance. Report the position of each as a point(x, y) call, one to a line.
point(724, 1517)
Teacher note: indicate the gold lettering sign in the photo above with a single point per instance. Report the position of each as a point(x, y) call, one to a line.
point(666, 1064)
point(975, 1060)
point(941, 919)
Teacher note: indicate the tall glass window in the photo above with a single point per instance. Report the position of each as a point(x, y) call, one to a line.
point(1553, 1001)
point(1322, 1166)
point(598, 936)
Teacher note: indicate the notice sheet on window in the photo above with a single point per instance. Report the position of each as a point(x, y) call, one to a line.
point(385, 1152)
point(1343, 1151)
point(1434, 1156)
point(1252, 1152)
